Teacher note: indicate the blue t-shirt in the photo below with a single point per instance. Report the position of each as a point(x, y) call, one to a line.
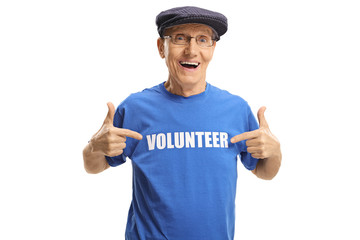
point(185, 167)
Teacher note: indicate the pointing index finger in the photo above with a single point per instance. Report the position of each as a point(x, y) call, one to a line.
point(128, 133)
point(244, 136)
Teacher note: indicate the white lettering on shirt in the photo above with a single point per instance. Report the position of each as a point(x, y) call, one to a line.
point(151, 141)
point(187, 140)
point(190, 139)
point(199, 135)
point(207, 139)
point(161, 141)
point(169, 144)
point(223, 140)
point(216, 139)
point(179, 140)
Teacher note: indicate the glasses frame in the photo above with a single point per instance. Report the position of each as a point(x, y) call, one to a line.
point(188, 38)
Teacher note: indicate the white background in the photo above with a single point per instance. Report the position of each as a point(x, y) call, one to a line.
point(61, 61)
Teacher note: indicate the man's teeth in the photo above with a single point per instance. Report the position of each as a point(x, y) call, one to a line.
point(189, 63)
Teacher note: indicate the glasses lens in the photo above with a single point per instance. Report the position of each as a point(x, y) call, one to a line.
point(180, 39)
point(204, 41)
point(183, 39)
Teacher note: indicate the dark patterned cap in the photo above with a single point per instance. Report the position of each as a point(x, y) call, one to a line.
point(183, 15)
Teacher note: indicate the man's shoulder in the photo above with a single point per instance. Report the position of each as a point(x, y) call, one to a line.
point(225, 95)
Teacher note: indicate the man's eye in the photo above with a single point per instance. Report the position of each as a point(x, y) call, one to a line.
point(203, 39)
point(180, 37)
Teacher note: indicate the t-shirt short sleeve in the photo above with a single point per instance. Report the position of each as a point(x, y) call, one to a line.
point(118, 122)
point(247, 160)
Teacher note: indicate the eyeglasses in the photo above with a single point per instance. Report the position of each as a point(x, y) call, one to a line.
point(184, 39)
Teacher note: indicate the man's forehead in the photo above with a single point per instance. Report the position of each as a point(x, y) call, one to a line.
point(190, 27)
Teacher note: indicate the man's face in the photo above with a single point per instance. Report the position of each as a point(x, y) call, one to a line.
point(176, 56)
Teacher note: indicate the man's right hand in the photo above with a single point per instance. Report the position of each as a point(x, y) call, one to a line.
point(110, 140)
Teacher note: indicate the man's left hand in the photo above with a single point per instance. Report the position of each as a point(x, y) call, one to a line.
point(261, 143)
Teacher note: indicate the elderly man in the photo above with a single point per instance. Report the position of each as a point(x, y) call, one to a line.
point(183, 137)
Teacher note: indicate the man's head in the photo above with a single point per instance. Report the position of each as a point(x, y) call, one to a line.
point(187, 41)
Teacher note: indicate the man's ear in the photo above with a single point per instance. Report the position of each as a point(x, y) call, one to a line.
point(160, 45)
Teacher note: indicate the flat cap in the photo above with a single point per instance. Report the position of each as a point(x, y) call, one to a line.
point(183, 15)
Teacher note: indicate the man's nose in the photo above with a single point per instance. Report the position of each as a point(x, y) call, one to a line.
point(192, 47)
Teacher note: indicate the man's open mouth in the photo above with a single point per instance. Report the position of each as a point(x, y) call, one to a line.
point(189, 64)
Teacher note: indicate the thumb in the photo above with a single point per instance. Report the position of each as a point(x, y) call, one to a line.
point(261, 117)
point(110, 115)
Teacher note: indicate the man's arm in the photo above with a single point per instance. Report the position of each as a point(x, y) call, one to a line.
point(268, 168)
point(108, 141)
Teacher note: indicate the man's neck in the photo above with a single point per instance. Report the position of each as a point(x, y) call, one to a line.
point(185, 90)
